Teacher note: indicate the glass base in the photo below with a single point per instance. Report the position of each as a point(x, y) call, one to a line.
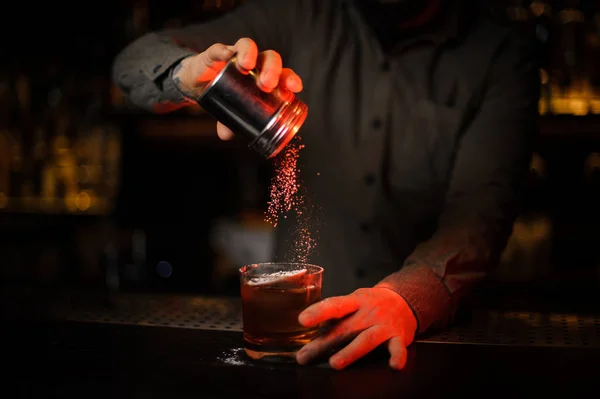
point(275, 357)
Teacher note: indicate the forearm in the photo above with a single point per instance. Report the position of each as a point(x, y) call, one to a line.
point(144, 70)
point(472, 232)
point(443, 269)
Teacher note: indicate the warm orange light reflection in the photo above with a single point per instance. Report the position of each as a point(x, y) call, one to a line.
point(579, 106)
point(580, 99)
point(83, 201)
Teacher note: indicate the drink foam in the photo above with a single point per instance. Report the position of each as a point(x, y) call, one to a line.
point(276, 277)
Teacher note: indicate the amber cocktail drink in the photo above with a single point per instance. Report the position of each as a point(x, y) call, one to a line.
point(273, 295)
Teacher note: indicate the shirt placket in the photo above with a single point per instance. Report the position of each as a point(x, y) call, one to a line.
point(371, 146)
point(369, 163)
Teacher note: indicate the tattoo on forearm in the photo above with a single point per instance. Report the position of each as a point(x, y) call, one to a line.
point(176, 71)
point(177, 80)
point(179, 85)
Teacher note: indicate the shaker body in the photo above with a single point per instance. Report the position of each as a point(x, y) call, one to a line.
point(267, 121)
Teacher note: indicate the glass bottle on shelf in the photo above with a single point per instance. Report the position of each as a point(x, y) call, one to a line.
point(15, 165)
point(23, 95)
point(528, 253)
point(571, 24)
point(22, 166)
point(89, 149)
point(65, 166)
point(593, 69)
point(6, 106)
point(25, 123)
point(544, 34)
point(92, 141)
point(5, 160)
point(39, 156)
point(111, 164)
point(48, 169)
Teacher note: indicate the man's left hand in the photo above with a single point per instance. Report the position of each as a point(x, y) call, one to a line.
point(368, 317)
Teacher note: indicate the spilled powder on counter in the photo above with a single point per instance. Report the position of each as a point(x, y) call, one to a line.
point(233, 357)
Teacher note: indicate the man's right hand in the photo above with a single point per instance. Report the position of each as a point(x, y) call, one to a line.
point(193, 73)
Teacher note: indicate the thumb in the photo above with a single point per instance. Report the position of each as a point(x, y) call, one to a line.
point(397, 353)
point(216, 54)
point(224, 132)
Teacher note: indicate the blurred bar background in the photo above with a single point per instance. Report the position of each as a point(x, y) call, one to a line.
point(96, 194)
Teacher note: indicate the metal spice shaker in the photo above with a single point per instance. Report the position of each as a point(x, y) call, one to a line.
point(267, 121)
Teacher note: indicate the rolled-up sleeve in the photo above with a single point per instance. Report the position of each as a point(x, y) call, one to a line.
point(483, 195)
point(142, 69)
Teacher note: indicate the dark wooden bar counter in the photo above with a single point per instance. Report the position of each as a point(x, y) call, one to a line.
point(91, 360)
point(138, 346)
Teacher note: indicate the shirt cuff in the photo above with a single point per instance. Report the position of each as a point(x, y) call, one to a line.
point(423, 291)
point(171, 91)
point(165, 54)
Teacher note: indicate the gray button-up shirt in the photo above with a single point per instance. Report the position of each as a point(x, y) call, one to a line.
point(414, 153)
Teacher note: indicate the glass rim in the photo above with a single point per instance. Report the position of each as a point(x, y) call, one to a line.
point(311, 269)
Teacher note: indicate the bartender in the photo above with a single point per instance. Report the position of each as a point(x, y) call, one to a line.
point(422, 116)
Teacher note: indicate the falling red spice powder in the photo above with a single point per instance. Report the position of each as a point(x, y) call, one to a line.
point(288, 195)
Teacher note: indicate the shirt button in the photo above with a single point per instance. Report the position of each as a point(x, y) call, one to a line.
point(360, 272)
point(364, 227)
point(376, 123)
point(370, 179)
